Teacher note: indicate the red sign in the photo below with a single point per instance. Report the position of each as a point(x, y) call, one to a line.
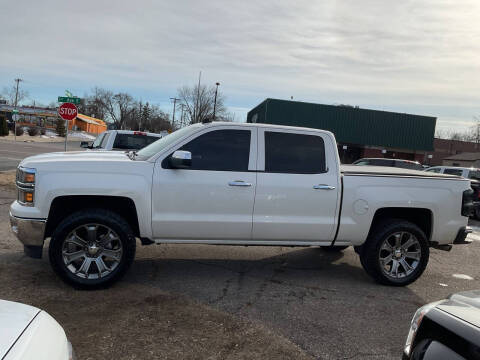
point(67, 111)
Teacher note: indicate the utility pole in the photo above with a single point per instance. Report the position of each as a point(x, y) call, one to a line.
point(174, 99)
point(215, 102)
point(17, 80)
point(182, 106)
point(195, 113)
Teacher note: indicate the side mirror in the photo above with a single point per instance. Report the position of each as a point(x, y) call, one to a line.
point(84, 144)
point(181, 159)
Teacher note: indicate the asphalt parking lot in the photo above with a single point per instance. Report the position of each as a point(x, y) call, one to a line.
point(11, 153)
point(225, 302)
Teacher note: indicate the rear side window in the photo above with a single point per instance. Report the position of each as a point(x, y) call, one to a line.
point(434, 170)
point(294, 153)
point(453, 172)
point(132, 141)
point(219, 150)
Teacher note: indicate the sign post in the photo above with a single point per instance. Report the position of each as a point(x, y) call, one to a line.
point(14, 118)
point(67, 112)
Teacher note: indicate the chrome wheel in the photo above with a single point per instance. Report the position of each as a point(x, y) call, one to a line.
point(92, 251)
point(400, 255)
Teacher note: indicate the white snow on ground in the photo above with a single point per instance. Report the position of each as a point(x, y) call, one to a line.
point(71, 134)
point(81, 135)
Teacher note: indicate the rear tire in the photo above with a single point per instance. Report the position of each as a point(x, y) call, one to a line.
point(92, 248)
point(396, 253)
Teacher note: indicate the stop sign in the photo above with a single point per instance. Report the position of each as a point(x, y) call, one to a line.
point(67, 111)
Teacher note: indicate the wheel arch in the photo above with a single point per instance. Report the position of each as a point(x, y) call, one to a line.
point(63, 206)
point(422, 217)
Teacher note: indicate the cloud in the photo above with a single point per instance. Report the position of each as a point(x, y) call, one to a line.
point(399, 56)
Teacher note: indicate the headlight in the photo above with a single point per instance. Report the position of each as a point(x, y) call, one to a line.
point(415, 325)
point(25, 181)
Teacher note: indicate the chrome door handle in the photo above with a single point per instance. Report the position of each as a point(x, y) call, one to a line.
point(239, 183)
point(323, 187)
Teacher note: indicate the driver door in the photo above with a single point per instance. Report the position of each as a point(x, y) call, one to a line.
point(213, 199)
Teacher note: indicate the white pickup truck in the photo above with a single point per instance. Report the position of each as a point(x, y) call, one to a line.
point(235, 184)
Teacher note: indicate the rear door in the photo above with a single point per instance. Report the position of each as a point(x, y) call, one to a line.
point(297, 186)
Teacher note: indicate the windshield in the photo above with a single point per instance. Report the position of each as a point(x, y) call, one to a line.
point(154, 148)
point(98, 140)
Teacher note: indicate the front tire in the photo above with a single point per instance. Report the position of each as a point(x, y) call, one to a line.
point(396, 253)
point(92, 248)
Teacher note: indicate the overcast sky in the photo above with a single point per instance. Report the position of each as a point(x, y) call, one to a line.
point(419, 57)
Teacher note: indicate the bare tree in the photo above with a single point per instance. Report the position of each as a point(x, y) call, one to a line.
point(198, 103)
point(9, 94)
point(92, 105)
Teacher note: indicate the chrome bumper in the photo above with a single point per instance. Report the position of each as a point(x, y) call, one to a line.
point(30, 232)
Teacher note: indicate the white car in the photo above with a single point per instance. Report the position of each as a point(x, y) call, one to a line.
point(467, 173)
point(233, 184)
point(123, 140)
point(28, 333)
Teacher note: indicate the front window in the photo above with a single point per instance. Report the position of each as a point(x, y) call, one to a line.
point(219, 150)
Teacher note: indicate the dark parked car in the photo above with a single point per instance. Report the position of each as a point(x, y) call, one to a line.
point(446, 329)
point(404, 164)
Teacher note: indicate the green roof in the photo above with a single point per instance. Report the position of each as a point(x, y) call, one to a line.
point(351, 125)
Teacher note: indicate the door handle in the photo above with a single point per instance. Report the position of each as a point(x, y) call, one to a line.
point(239, 183)
point(323, 187)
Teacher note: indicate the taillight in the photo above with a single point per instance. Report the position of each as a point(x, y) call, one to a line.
point(467, 203)
point(139, 133)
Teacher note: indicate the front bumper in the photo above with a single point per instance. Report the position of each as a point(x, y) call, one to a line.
point(30, 232)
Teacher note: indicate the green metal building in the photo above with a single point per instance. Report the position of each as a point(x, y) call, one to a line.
point(359, 132)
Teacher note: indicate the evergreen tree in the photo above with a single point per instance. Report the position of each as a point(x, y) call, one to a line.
point(60, 128)
point(3, 127)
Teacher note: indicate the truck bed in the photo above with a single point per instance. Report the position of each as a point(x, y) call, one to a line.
point(391, 171)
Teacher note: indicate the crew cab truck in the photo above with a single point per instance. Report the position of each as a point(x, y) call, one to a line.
point(235, 184)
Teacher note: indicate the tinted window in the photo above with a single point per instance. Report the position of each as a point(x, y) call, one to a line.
point(474, 174)
point(294, 153)
point(362, 162)
point(219, 150)
point(408, 165)
point(435, 170)
point(453, 172)
point(133, 141)
point(381, 162)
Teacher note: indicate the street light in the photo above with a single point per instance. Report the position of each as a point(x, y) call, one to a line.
point(215, 102)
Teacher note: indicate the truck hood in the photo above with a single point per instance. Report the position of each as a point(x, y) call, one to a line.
point(14, 318)
point(75, 156)
point(391, 171)
point(464, 305)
